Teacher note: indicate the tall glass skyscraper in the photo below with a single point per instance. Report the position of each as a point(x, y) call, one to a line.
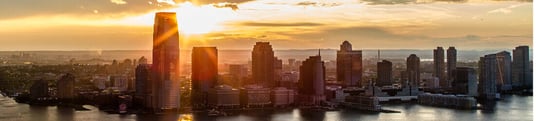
point(165, 67)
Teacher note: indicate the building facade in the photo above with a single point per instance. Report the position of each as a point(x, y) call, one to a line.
point(465, 81)
point(239, 73)
point(413, 70)
point(224, 96)
point(144, 86)
point(204, 74)
point(439, 67)
point(311, 84)
point(451, 63)
point(385, 73)
point(263, 65)
point(504, 71)
point(65, 88)
point(488, 76)
point(349, 65)
point(165, 68)
point(521, 75)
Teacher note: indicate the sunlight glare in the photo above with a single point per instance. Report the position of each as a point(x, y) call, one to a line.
point(201, 19)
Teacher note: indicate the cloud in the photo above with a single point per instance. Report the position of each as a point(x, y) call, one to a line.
point(274, 24)
point(107, 8)
point(233, 6)
point(317, 4)
point(205, 2)
point(394, 2)
point(119, 2)
point(170, 2)
point(505, 10)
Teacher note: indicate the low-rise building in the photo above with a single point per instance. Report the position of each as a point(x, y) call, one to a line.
point(253, 96)
point(282, 97)
point(224, 96)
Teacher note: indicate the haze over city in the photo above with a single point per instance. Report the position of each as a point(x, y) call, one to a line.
point(250, 60)
point(238, 24)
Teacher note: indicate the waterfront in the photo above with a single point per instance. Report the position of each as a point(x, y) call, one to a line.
point(512, 107)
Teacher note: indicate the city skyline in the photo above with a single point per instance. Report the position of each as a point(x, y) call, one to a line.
point(126, 25)
point(267, 60)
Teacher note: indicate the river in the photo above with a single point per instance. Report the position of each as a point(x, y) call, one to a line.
point(511, 107)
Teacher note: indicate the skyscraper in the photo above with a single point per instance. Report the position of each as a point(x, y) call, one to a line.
point(349, 65)
point(488, 76)
point(385, 73)
point(204, 74)
point(451, 63)
point(263, 65)
point(311, 82)
point(165, 67)
point(521, 67)
point(464, 81)
point(413, 70)
point(239, 73)
point(39, 89)
point(144, 86)
point(65, 87)
point(278, 71)
point(439, 67)
point(504, 71)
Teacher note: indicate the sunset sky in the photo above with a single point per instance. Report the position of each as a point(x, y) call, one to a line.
point(287, 24)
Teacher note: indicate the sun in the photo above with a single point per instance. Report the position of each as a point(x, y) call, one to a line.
point(204, 19)
point(192, 19)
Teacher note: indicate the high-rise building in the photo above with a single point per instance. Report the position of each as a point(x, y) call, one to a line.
point(204, 74)
point(39, 89)
point(142, 60)
point(504, 71)
point(349, 65)
point(521, 75)
point(464, 81)
point(65, 87)
point(239, 73)
point(488, 76)
point(439, 67)
point(413, 70)
point(451, 63)
point(144, 86)
point(165, 67)
point(385, 73)
point(312, 81)
point(263, 65)
point(278, 71)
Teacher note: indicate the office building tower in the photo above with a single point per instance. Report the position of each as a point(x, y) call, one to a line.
point(165, 67)
point(451, 63)
point(488, 76)
point(263, 65)
point(504, 71)
point(413, 70)
point(39, 89)
point(311, 82)
point(278, 71)
point(144, 86)
point(385, 73)
point(65, 87)
point(521, 75)
point(204, 74)
point(349, 65)
point(239, 73)
point(439, 67)
point(464, 81)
